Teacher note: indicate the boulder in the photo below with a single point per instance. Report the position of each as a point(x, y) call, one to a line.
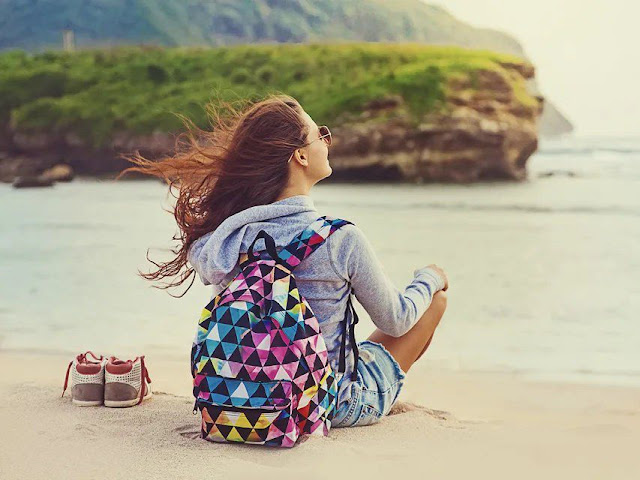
point(31, 182)
point(12, 166)
point(59, 173)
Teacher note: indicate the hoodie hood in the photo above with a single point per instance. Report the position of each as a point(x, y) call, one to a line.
point(216, 254)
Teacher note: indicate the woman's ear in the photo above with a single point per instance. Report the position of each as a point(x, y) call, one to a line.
point(303, 158)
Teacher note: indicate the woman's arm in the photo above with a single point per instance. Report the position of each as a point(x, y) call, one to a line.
point(393, 311)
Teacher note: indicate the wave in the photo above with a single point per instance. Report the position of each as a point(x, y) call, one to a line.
point(586, 151)
point(497, 208)
point(590, 145)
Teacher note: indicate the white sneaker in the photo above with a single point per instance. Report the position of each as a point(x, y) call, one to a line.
point(87, 379)
point(126, 382)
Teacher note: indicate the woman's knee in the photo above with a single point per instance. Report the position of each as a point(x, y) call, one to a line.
point(434, 313)
point(439, 301)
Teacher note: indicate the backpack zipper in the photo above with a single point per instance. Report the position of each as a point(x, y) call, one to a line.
point(239, 410)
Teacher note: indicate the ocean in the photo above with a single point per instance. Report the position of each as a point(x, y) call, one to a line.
point(544, 274)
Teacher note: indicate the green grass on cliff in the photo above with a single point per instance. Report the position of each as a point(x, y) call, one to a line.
point(96, 93)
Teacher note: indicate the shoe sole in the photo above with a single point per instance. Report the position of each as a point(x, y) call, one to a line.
point(86, 403)
point(125, 403)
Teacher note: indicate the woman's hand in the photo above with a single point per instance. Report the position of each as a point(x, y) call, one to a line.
point(440, 271)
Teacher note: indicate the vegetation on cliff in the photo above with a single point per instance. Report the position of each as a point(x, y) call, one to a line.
point(95, 94)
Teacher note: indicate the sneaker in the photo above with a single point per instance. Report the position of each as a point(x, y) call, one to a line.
point(87, 379)
point(126, 382)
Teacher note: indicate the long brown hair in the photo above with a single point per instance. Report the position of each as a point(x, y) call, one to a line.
point(240, 163)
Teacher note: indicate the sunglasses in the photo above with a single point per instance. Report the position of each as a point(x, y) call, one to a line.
point(324, 134)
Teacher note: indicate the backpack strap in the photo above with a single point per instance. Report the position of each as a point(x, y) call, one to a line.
point(300, 248)
point(349, 330)
point(269, 243)
point(307, 241)
point(303, 245)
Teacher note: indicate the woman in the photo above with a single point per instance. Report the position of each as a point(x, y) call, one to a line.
point(254, 172)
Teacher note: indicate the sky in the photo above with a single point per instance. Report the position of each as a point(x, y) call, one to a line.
point(586, 53)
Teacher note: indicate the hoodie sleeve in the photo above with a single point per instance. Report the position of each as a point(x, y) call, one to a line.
point(392, 310)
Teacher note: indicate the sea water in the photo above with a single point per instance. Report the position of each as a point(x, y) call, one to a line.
point(544, 274)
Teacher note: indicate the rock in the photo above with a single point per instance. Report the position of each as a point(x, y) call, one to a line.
point(553, 122)
point(487, 132)
point(36, 142)
point(30, 182)
point(156, 143)
point(59, 173)
point(526, 69)
point(21, 166)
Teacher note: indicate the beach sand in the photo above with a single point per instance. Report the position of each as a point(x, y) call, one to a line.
point(447, 425)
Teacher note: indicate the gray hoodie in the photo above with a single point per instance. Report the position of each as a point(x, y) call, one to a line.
point(323, 278)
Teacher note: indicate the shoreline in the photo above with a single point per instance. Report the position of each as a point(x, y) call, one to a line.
point(500, 422)
point(428, 367)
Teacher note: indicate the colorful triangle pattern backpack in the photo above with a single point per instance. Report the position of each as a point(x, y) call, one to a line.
point(260, 367)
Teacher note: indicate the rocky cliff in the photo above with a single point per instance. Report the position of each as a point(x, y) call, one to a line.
point(413, 114)
point(486, 131)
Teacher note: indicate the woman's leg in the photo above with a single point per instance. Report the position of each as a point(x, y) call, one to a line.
point(410, 346)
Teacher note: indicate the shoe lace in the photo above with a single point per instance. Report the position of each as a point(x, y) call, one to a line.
point(81, 358)
point(144, 375)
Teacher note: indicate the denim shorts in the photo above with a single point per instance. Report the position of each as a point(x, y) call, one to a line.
point(380, 380)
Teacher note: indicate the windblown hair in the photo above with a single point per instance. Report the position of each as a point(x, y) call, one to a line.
point(240, 163)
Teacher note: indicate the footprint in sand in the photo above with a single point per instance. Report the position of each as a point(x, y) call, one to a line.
point(86, 429)
point(188, 431)
point(405, 407)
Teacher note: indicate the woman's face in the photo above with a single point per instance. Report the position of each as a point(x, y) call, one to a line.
point(316, 153)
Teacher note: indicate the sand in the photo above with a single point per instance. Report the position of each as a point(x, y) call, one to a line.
point(447, 425)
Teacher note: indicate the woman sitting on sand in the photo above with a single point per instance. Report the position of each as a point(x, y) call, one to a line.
point(254, 171)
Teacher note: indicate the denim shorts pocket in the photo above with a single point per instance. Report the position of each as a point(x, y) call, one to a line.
point(346, 413)
point(368, 415)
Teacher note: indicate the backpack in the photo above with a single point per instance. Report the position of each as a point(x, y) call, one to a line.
point(260, 366)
